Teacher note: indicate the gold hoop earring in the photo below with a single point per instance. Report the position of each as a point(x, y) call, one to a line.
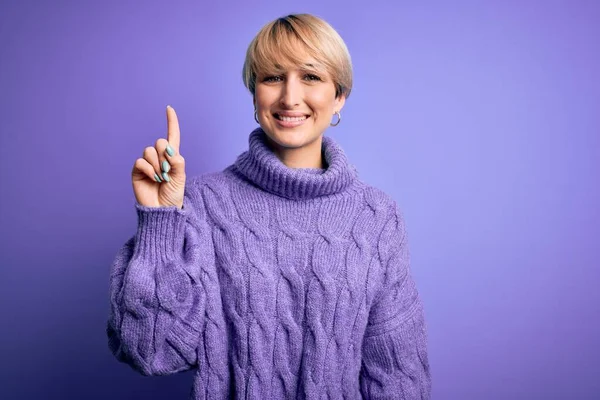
point(339, 118)
point(256, 117)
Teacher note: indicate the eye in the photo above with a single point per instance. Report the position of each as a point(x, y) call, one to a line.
point(312, 77)
point(272, 78)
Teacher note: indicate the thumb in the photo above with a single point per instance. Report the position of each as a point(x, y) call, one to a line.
point(177, 163)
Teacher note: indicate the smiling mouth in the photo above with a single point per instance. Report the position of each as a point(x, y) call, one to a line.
point(290, 119)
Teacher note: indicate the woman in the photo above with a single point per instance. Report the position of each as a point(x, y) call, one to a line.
point(284, 275)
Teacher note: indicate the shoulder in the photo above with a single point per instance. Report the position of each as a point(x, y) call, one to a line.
point(198, 184)
point(200, 191)
point(382, 202)
point(390, 221)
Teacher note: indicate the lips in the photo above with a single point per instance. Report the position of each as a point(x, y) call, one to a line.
point(280, 117)
point(286, 115)
point(286, 121)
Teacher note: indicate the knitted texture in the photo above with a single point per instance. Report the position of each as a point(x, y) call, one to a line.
point(273, 283)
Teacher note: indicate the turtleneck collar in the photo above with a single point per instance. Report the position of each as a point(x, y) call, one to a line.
point(260, 165)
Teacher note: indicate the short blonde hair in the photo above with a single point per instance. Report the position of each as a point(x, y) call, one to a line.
point(276, 43)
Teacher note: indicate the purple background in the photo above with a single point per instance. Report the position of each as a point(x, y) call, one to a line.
point(480, 118)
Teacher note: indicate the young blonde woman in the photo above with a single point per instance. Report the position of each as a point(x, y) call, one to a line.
point(283, 276)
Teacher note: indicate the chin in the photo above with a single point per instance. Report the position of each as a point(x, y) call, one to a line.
point(291, 138)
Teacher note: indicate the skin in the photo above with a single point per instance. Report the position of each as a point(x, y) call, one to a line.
point(302, 90)
point(293, 89)
point(170, 190)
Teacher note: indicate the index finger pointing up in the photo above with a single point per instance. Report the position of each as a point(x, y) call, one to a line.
point(173, 135)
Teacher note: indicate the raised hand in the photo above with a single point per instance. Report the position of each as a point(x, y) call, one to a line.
point(158, 177)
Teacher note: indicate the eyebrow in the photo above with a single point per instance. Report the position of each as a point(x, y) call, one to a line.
point(309, 65)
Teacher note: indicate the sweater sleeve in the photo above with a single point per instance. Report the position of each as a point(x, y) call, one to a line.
point(158, 289)
point(395, 362)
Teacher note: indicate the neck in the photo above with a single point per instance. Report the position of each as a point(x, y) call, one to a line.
point(309, 156)
point(265, 170)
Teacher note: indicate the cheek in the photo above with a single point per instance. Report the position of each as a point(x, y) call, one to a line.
point(321, 99)
point(321, 105)
point(263, 98)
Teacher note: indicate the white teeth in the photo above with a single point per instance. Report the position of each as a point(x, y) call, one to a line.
point(291, 118)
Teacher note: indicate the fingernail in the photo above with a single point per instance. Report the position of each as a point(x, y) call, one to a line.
point(156, 178)
point(170, 150)
point(166, 176)
point(165, 166)
point(168, 106)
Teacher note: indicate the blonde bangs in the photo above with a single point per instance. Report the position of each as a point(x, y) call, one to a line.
point(275, 48)
point(279, 49)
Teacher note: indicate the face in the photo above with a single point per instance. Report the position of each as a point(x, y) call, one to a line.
point(296, 105)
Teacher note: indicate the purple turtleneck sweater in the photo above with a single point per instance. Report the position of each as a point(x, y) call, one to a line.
point(273, 283)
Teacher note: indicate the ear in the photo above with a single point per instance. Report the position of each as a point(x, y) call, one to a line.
point(339, 102)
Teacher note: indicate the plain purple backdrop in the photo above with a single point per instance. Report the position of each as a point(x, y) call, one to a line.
point(480, 118)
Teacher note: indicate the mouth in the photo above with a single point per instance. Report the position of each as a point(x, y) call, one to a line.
point(286, 118)
point(290, 121)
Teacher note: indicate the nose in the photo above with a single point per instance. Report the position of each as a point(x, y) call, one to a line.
point(291, 93)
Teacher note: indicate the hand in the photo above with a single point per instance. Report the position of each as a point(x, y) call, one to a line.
point(169, 192)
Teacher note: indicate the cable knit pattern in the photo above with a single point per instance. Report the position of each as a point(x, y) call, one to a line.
point(273, 283)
